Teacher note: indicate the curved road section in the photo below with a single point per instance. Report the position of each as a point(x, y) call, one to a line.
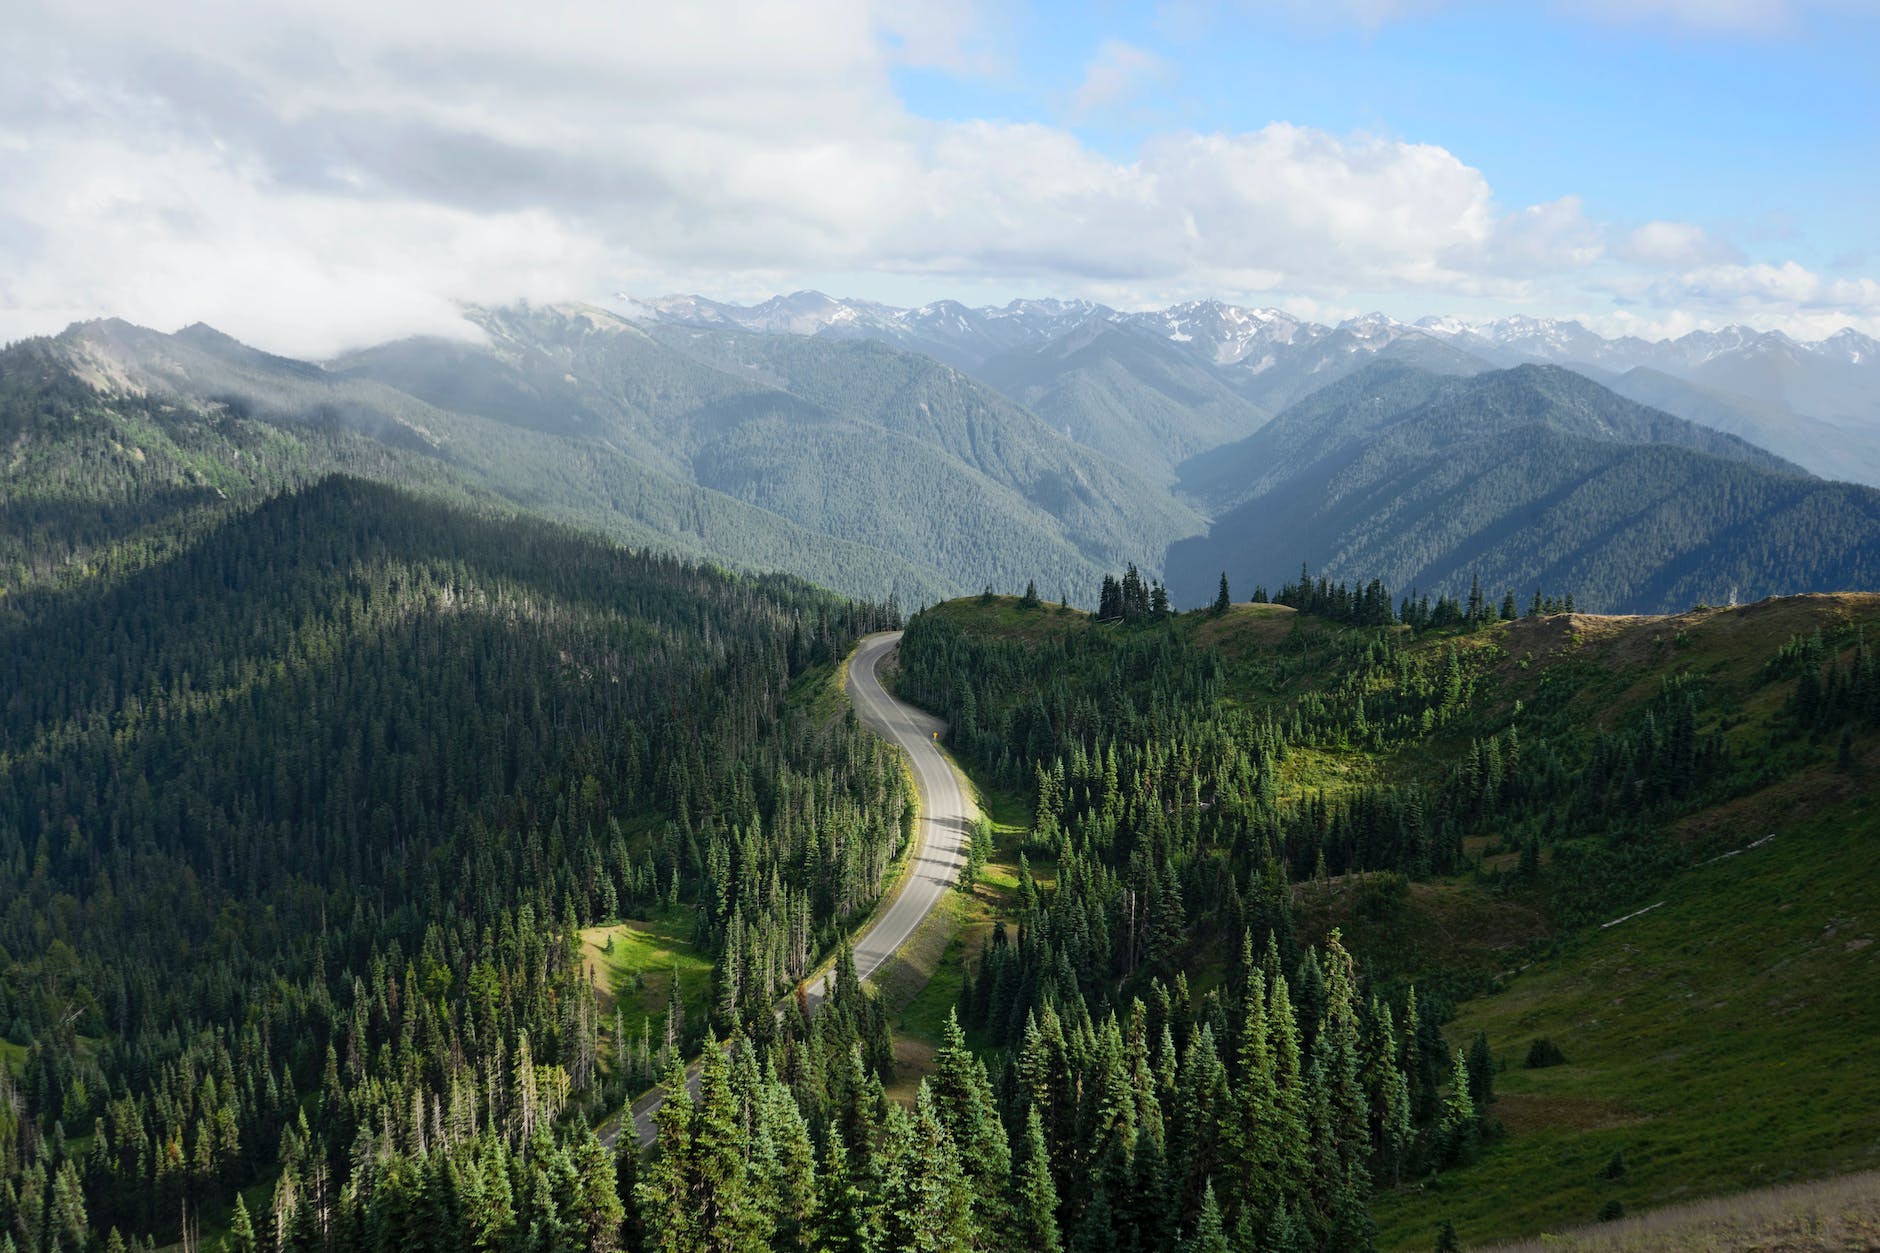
point(940, 835)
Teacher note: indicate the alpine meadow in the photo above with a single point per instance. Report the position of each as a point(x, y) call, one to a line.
point(1296, 669)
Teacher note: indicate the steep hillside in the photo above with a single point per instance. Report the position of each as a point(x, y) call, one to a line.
point(1127, 392)
point(1462, 810)
point(867, 469)
point(300, 826)
point(1850, 452)
point(1106, 508)
point(1530, 477)
point(117, 449)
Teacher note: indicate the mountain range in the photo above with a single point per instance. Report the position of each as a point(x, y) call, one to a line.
point(921, 453)
point(1529, 478)
point(871, 471)
point(1817, 403)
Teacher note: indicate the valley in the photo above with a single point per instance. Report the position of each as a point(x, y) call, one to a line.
point(861, 627)
point(436, 719)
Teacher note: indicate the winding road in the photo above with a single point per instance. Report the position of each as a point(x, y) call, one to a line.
point(940, 834)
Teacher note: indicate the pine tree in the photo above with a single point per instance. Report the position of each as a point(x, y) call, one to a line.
point(962, 1097)
point(1286, 1232)
point(789, 1161)
point(926, 1202)
point(1457, 1132)
point(1223, 601)
point(727, 1217)
point(523, 1103)
point(1385, 1089)
point(241, 1229)
point(1481, 1072)
point(1210, 1233)
point(1252, 1154)
point(666, 1194)
point(67, 1227)
point(1036, 1193)
point(840, 1224)
point(595, 1208)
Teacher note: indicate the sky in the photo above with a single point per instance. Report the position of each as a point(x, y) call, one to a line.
point(316, 176)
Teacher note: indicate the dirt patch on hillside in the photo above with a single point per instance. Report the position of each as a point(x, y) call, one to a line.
point(1550, 633)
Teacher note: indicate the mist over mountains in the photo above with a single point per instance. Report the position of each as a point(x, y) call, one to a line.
point(921, 453)
point(1831, 379)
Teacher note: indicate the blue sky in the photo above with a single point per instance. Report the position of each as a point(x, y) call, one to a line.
point(313, 174)
point(1767, 130)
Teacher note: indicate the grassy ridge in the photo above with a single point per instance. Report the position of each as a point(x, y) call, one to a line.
point(1720, 1041)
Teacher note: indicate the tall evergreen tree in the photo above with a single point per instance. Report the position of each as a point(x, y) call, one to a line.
point(926, 1203)
point(962, 1100)
point(1034, 1192)
point(1457, 1132)
point(841, 1222)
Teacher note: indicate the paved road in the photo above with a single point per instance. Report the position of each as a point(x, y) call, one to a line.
point(940, 833)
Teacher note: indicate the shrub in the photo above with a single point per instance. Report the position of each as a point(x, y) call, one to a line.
point(1610, 1210)
point(1381, 896)
point(1544, 1053)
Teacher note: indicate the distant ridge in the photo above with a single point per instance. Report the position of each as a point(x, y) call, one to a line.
point(1534, 477)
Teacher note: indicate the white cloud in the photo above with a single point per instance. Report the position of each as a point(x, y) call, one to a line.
point(312, 175)
point(1547, 239)
point(1787, 284)
point(1118, 72)
point(1675, 244)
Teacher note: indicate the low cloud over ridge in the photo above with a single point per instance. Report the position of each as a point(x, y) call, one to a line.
point(311, 176)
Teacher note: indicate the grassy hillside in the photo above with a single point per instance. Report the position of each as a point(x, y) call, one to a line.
point(1714, 1036)
point(1719, 1042)
point(1833, 1216)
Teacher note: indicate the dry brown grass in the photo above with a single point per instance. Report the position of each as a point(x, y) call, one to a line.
point(1244, 626)
point(1728, 644)
point(1830, 1216)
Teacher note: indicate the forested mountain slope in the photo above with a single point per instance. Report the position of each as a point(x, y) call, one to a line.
point(869, 470)
point(1127, 392)
point(1467, 803)
point(1850, 452)
point(298, 824)
point(1530, 477)
point(1101, 505)
point(874, 470)
point(119, 439)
